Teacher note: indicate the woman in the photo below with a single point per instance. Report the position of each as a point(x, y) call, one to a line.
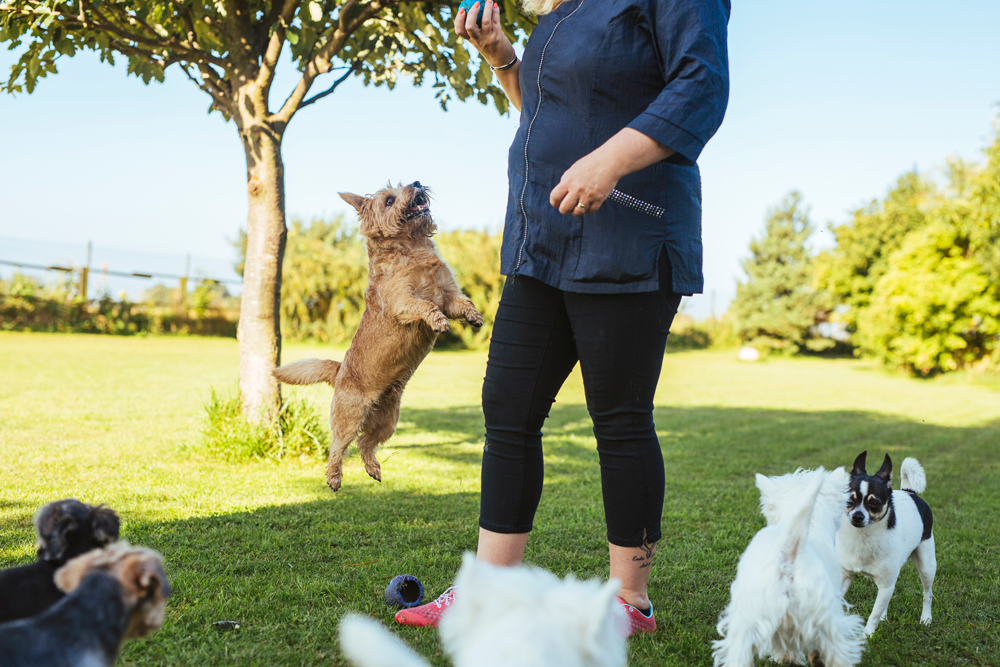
point(602, 238)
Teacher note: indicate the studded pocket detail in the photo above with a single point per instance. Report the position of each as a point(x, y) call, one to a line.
point(620, 197)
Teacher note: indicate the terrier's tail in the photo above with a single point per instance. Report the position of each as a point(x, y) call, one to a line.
point(366, 643)
point(308, 371)
point(795, 527)
point(911, 476)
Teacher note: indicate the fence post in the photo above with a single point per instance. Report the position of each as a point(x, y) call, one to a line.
point(183, 289)
point(85, 274)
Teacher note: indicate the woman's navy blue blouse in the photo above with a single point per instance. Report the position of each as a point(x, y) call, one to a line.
point(590, 69)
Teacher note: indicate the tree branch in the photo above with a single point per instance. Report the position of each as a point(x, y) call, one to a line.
point(276, 41)
point(355, 66)
point(345, 29)
point(217, 96)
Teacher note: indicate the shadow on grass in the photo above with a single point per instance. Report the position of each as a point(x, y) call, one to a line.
point(729, 442)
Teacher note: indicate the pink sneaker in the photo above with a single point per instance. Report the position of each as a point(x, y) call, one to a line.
point(427, 614)
point(635, 621)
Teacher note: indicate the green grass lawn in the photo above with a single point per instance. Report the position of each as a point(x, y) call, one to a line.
point(106, 419)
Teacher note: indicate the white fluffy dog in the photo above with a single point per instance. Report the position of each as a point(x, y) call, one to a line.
point(786, 601)
point(507, 617)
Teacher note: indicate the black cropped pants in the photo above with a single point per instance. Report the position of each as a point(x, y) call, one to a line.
point(539, 334)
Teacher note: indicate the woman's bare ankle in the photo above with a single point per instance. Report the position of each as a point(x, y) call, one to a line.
point(502, 549)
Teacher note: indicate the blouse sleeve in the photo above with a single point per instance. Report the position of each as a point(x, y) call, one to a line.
point(691, 38)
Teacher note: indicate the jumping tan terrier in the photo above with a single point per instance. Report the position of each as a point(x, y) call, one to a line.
point(410, 297)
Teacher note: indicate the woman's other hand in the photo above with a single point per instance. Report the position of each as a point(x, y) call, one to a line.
point(585, 185)
point(489, 40)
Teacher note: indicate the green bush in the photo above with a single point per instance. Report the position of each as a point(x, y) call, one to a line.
point(935, 309)
point(28, 305)
point(225, 432)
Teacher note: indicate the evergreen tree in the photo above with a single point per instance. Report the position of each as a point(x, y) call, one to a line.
point(777, 308)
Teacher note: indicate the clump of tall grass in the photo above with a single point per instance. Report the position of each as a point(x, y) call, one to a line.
point(296, 431)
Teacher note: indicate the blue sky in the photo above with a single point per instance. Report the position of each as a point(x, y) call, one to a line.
point(834, 99)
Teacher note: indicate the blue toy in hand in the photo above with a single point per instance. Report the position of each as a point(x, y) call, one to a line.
point(467, 6)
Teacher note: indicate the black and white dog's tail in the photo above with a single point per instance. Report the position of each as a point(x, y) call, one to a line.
point(912, 477)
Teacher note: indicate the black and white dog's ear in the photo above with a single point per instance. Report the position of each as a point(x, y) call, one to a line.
point(859, 464)
point(885, 472)
point(105, 525)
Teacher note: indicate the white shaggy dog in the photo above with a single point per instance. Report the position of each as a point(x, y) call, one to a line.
point(508, 617)
point(786, 600)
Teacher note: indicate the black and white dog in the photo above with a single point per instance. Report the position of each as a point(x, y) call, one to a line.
point(883, 528)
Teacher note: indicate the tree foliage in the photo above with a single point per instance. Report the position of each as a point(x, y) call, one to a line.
point(223, 45)
point(934, 309)
point(778, 308)
point(980, 214)
point(917, 276)
point(851, 270)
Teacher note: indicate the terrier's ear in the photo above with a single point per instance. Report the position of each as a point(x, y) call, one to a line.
point(859, 464)
point(357, 201)
point(105, 525)
point(885, 472)
point(145, 580)
point(151, 579)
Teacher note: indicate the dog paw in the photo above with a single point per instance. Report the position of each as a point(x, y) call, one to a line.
point(815, 660)
point(333, 480)
point(374, 471)
point(473, 317)
point(439, 323)
point(925, 620)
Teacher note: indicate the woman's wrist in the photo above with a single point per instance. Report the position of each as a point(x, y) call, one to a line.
point(502, 61)
point(502, 68)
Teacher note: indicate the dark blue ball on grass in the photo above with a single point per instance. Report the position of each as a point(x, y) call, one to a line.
point(404, 591)
point(467, 6)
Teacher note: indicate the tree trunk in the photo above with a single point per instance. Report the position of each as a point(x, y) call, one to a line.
point(259, 330)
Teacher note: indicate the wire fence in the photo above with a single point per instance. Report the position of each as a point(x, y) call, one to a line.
point(101, 270)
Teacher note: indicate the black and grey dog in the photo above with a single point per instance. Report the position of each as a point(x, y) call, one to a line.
point(112, 594)
point(885, 528)
point(64, 529)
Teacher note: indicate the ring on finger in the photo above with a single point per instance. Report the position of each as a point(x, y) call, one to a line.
point(583, 207)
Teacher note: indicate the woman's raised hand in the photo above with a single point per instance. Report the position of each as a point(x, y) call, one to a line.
point(489, 40)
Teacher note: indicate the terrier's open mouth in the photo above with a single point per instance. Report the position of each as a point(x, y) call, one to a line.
point(420, 206)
